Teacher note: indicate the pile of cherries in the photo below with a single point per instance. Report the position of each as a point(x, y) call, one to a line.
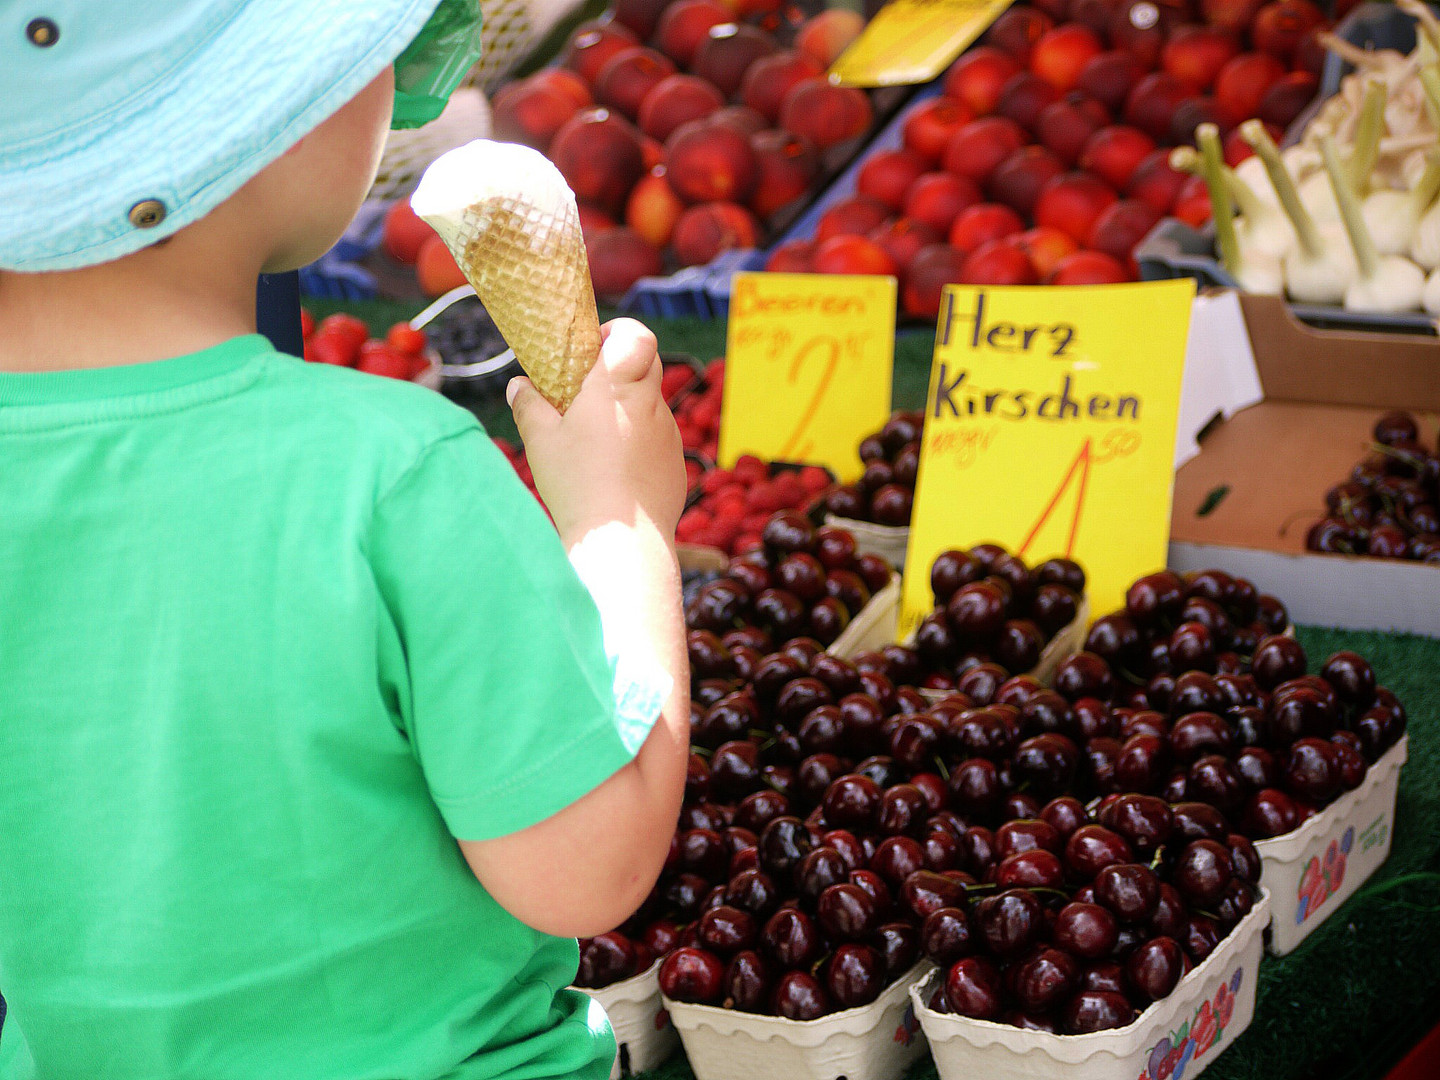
point(1390, 506)
point(1086, 921)
point(993, 613)
point(801, 581)
point(1247, 732)
point(886, 489)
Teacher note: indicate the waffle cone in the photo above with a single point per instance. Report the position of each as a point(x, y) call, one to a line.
point(523, 252)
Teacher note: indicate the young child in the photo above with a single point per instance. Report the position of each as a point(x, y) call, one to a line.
point(315, 752)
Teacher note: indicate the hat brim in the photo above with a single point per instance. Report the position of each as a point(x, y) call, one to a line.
point(191, 139)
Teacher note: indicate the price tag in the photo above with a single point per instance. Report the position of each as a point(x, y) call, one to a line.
point(913, 41)
point(809, 359)
point(1050, 429)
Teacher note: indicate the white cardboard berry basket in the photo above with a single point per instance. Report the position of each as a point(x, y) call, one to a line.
point(873, 626)
point(1174, 1039)
point(644, 1037)
point(887, 541)
point(878, 1041)
point(1313, 869)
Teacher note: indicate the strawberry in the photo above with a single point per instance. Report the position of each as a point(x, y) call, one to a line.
point(377, 358)
point(402, 337)
point(347, 329)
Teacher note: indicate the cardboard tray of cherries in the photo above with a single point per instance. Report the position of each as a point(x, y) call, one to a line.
point(1067, 872)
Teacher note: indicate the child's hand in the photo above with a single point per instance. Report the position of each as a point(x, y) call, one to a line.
point(616, 454)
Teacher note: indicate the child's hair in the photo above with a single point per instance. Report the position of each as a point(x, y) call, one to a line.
point(124, 122)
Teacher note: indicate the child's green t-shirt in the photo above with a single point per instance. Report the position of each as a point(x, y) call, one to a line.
point(271, 634)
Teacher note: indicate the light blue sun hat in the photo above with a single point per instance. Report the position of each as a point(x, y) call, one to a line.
point(122, 121)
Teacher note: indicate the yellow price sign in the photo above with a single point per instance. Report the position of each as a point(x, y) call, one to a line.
point(1050, 430)
point(809, 360)
point(913, 41)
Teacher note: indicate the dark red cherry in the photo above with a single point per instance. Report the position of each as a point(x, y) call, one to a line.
point(1086, 930)
point(1130, 891)
point(1155, 967)
point(1095, 1010)
point(692, 975)
point(1010, 922)
point(798, 995)
point(899, 946)
point(973, 988)
point(1202, 872)
point(854, 976)
point(1091, 848)
point(1277, 659)
point(1044, 980)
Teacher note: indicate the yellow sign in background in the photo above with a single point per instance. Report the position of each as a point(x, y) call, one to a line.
point(809, 360)
point(1050, 429)
point(913, 41)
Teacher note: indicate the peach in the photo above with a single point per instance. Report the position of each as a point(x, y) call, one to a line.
point(567, 82)
point(640, 16)
point(1017, 31)
point(593, 43)
point(787, 167)
point(826, 35)
point(1113, 153)
point(594, 221)
point(1088, 268)
point(1094, 14)
point(853, 216)
point(850, 254)
point(1123, 225)
point(975, 150)
point(1195, 55)
point(1140, 28)
point(1072, 203)
point(653, 208)
point(928, 127)
point(619, 258)
point(983, 222)
point(705, 231)
point(652, 153)
point(1046, 247)
point(746, 8)
point(936, 198)
point(1109, 78)
point(740, 117)
point(824, 113)
point(931, 270)
point(1152, 103)
point(1279, 27)
point(1310, 54)
point(404, 232)
point(726, 53)
point(1192, 202)
point(1062, 53)
point(1232, 15)
point(887, 174)
point(792, 257)
point(709, 162)
point(677, 100)
point(1155, 182)
point(770, 78)
point(1018, 180)
point(1063, 127)
point(628, 77)
point(530, 113)
point(976, 78)
point(998, 262)
point(1287, 97)
point(435, 268)
point(1190, 114)
point(598, 153)
point(1241, 84)
point(902, 240)
point(1023, 97)
point(683, 26)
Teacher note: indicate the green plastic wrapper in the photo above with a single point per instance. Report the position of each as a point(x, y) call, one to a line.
point(432, 65)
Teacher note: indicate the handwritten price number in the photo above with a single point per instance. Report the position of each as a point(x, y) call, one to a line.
point(1116, 444)
point(827, 350)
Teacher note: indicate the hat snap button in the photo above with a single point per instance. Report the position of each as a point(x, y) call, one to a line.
point(147, 213)
point(42, 32)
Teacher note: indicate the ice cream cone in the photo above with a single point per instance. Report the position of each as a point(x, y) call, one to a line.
point(509, 218)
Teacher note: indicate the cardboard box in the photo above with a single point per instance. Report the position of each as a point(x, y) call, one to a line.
point(1311, 871)
point(1323, 389)
point(1182, 1033)
point(878, 1041)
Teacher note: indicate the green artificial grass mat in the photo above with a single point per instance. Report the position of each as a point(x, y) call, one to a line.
point(1365, 985)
